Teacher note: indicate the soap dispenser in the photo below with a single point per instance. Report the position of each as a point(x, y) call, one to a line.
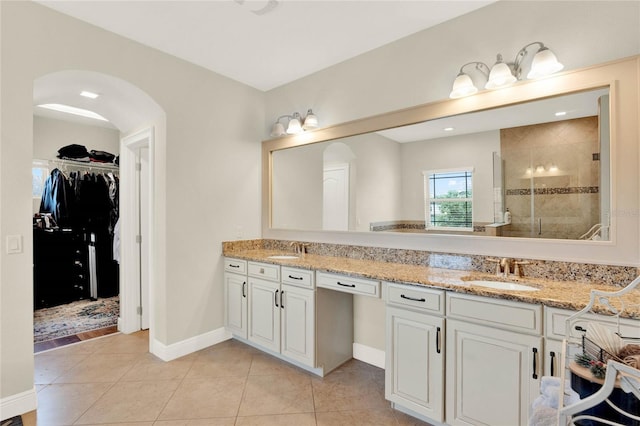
point(507, 216)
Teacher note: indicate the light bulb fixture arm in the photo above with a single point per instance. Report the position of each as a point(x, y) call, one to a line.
point(522, 53)
point(480, 66)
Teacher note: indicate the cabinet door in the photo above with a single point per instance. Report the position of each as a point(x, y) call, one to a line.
point(552, 357)
point(493, 375)
point(235, 296)
point(415, 362)
point(264, 313)
point(298, 324)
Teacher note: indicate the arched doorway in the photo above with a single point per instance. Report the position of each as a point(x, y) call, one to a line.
point(139, 120)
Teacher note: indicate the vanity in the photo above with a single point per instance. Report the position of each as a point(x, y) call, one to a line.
point(458, 351)
point(397, 260)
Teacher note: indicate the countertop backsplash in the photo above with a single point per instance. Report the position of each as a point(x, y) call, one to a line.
point(618, 276)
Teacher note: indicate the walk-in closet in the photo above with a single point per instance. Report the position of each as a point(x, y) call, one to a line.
point(75, 231)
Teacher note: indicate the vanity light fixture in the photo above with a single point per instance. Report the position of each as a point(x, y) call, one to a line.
point(503, 74)
point(295, 125)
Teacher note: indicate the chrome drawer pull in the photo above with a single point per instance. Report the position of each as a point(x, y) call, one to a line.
point(414, 299)
point(346, 285)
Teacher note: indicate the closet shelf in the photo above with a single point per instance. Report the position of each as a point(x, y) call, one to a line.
point(68, 164)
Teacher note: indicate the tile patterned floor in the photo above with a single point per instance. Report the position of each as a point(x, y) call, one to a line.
point(115, 381)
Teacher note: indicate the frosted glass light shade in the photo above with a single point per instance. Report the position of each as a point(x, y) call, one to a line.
point(544, 63)
point(277, 130)
point(310, 121)
point(294, 125)
point(462, 86)
point(500, 76)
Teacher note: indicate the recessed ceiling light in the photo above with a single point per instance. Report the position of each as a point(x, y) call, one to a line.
point(448, 129)
point(561, 113)
point(89, 95)
point(73, 110)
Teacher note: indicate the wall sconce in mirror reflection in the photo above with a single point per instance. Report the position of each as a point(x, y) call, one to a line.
point(296, 124)
point(503, 74)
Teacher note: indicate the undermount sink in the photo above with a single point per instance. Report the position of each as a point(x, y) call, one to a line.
point(500, 285)
point(283, 256)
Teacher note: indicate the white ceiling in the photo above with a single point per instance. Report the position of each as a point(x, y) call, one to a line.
point(265, 43)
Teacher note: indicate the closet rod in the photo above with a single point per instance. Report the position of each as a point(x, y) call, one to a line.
point(83, 165)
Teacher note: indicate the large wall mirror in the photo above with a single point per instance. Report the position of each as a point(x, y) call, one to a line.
point(534, 169)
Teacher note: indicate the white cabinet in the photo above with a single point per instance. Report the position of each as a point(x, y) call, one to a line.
point(298, 324)
point(348, 284)
point(493, 372)
point(556, 324)
point(235, 296)
point(414, 371)
point(282, 316)
point(264, 313)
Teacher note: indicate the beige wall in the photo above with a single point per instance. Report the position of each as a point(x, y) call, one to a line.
point(207, 163)
point(50, 134)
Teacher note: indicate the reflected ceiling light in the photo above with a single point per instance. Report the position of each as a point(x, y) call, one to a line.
point(295, 125)
point(448, 129)
point(89, 95)
point(73, 110)
point(561, 113)
point(503, 74)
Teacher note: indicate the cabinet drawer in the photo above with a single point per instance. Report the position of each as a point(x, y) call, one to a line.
point(298, 277)
point(266, 271)
point(516, 316)
point(415, 297)
point(555, 323)
point(348, 284)
point(235, 265)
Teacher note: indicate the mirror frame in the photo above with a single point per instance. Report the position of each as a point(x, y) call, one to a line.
point(618, 76)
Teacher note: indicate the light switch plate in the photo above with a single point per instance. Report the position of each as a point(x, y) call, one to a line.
point(14, 244)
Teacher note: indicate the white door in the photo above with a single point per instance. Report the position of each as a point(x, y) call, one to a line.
point(143, 160)
point(235, 295)
point(415, 362)
point(490, 375)
point(298, 324)
point(335, 198)
point(264, 313)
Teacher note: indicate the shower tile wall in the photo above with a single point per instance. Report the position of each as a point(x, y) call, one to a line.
point(552, 203)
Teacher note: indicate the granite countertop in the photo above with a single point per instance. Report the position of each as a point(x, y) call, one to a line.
point(559, 294)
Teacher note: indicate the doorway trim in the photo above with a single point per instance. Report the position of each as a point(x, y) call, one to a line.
point(130, 320)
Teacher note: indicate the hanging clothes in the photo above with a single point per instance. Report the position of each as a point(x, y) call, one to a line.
point(86, 205)
point(58, 198)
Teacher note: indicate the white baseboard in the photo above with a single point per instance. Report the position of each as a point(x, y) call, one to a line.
point(369, 355)
point(18, 404)
point(187, 346)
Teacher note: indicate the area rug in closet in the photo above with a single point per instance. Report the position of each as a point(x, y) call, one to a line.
point(74, 318)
